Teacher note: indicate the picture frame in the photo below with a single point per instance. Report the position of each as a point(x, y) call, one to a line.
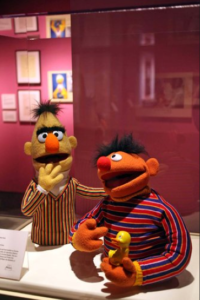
point(8, 101)
point(5, 24)
point(28, 67)
point(25, 24)
point(9, 116)
point(60, 86)
point(173, 97)
point(58, 26)
point(28, 100)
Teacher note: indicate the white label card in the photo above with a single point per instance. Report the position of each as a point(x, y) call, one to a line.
point(12, 251)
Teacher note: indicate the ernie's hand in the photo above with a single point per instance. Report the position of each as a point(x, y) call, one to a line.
point(49, 177)
point(87, 236)
point(123, 276)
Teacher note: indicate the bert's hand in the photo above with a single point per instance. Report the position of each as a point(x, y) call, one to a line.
point(123, 276)
point(49, 177)
point(87, 236)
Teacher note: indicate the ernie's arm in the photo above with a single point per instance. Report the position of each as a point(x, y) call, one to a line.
point(163, 266)
point(177, 252)
point(86, 233)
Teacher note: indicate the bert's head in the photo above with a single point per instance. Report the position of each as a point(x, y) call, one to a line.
point(50, 143)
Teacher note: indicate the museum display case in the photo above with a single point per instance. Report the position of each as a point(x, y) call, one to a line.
point(131, 68)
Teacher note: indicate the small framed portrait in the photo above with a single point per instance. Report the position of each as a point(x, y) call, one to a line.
point(25, 24)
point(60, 86)
point(58, 26)
point(28, 100)
point(28, 67)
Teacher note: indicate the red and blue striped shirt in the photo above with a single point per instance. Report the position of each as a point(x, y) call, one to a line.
point(160, 241)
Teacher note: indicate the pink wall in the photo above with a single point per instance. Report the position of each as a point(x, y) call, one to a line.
point(16, 168)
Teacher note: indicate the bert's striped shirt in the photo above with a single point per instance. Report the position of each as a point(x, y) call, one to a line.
point(160, 242)
point(53, 215)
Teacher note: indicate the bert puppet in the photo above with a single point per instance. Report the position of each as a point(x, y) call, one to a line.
point(50, 196)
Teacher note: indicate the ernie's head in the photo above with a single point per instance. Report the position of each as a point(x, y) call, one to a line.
point(123, 172)
point(50, 143)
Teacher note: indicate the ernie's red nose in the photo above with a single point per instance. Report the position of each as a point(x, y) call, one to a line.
point(103, 163)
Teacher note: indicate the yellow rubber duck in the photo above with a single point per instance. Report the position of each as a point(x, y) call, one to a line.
point(122, 241)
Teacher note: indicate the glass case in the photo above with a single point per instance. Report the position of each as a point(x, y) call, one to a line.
point(134, 70)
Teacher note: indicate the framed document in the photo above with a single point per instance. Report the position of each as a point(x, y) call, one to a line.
point(25, 24)
point(9, 116)
point(8, 101)
point(28, 67)
point(28, 100)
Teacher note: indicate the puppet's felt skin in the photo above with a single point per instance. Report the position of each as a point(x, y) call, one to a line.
point(160, 243)
point(49, 198)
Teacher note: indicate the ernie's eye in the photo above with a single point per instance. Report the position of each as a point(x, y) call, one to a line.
point(116, 157)
point(58, 134)
point(42, 137)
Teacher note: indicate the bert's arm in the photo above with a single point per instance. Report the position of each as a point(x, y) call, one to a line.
point(90, 192)
point(32, 199)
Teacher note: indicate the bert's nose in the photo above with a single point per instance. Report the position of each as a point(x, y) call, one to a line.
point(104, 163)
point(51, 143)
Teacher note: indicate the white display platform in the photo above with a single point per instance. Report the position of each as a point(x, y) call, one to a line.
point(64, 273)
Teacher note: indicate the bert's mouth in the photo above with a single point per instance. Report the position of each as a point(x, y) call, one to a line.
point(52, 158)
point(113, 180)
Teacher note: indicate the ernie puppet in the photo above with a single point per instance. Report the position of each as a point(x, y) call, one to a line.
point(50, 196)
point(160, 245)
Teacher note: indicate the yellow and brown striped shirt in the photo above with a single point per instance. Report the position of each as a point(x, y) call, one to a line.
point(53, 216)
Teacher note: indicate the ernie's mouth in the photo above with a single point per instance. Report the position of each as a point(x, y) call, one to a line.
point(113, 180)
point(52, 158)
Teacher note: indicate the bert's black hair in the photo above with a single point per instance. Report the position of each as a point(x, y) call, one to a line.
point(46, 107)
point(126, 144)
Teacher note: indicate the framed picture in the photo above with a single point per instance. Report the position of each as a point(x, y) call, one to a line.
point(172, 97)
point(58, 26)
point(5, 24)
point(8, 101)
point(9, 116)
point(28, 67)
point(28, 100)
point(25, 24)
point(60, 86)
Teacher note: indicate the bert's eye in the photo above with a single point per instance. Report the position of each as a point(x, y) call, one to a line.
point(58, 134)
point(116, 157)
point(42, 137)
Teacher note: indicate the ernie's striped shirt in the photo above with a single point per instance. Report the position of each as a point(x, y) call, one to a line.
point(160, 242)
point(53, 216)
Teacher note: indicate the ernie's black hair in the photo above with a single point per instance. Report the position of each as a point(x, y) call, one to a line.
point(46, 107)
point(126, 144)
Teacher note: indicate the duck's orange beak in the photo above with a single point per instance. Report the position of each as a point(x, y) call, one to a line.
point(115, 241)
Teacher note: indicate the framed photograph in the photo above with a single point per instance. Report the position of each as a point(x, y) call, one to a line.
point(172, 97)
point(60, 86)
point(58, 26)
point(9, 116)
point(25, 24)
point(28, 100)
point(28, 67)
point(8, 101)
